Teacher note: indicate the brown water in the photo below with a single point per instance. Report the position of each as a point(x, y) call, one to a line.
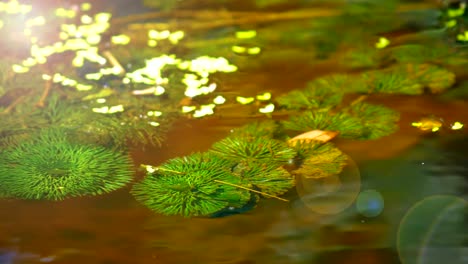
point(115, 229)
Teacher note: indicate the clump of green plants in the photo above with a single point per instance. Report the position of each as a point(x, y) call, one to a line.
point(49, 166)
point(409, 79)
point(253, 149)
point(197, 185)
point(358, 121)
point(323, 92)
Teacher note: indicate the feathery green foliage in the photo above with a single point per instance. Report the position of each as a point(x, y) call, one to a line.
point(359, 121)
point(265, 177)
point(48, 166)
point(376, 120)
point(409, 79)
point(254, 149)
point(268, 129)
point(190, 186)
point(320, 93)
point(347, 125)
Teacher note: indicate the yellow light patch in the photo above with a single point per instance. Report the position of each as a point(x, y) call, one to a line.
point(101, 100)
point(37, 21)
point(456, 126)
point(204, 110)
point(248, 34)
point(463, 37)
point(19, 69)
point(102, 17)
point(451, 23)
point(456, 12)
point(382, 43)
point(85, 19)
point(244, 100)
point(267, 109)
point(93, 76)
point(93, 39)
point(153, 123)
point(176, 36)
point(120, 40)
point(29, 62)
point(154, 113)
point(159, 90)
point(254, 50)
point(238, 49)
point(149, 168)
point(46, 77)
point(152, 43)
point(83, 87)
point(219, 100)
point(41, 59)
point(85, 6)
point(108, 110)
point(264, 97)
point(188, 109)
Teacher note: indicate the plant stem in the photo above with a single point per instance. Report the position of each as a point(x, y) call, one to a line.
point(245, 188)
point(45, 93)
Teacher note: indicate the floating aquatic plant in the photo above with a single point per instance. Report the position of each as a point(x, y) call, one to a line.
point(192, 186)
point(359, 121)
point(409, 79)
point(48, 166)
point(269, 129)
point(376, 120)
point(320, 93)
point(266, 178)
point(348, 126)
point(254, 149)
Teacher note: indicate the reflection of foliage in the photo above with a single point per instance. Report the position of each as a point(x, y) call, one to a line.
point(460, 91)
point(253, 149)
point(320, 160)
point(190, 186)
point(359, 121)
point(416, 53)
point(48, 166)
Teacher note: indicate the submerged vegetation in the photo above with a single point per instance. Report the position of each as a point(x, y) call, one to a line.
point(72, 102)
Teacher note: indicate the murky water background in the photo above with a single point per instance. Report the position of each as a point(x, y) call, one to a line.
point(114, 229)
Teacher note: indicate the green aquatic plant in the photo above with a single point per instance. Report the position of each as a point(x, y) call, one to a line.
point(268, 129)
point(348, 126)
point(324, 92)
point(266, 178)
point(376, 120)
point(417, 53)
point(253, 150)
point(193, 185)
point(409, 79)
point(358, 121)
point(48, 166)
point(320, 93)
